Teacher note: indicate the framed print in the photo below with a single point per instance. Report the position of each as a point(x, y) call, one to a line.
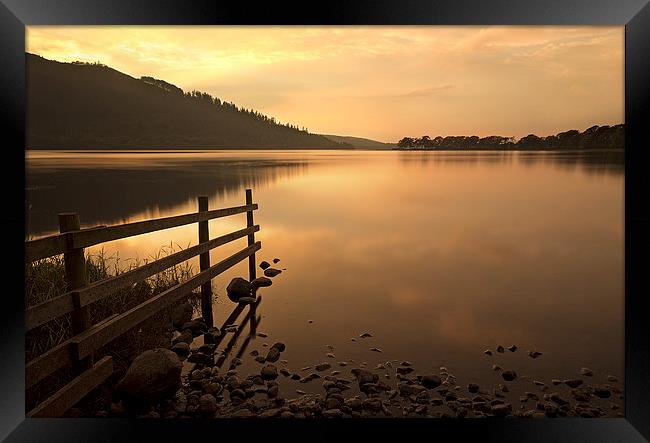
point(355, 220)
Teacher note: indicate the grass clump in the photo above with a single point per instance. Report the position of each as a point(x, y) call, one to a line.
point(45, 279)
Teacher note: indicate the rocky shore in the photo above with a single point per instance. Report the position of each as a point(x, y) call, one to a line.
point(391, 389)
point(191, 380)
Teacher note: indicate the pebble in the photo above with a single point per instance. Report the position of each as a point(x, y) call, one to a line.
point(322, 367)
point(496, 368)
point(612, 378)
point(273, 391)
point(365, 335)
point(509, 375)
point(487, 352)
point(269, 372)
point(512, 348)
point(573, 383)
point(264, 264)
point(272, 272)
point(500, 349)
point(207, 404)
point(376, 349)
point(431, 381)
point(330, 355)
point(472, 388)
point(586, 372)
point(534, 354)
point(262, 334)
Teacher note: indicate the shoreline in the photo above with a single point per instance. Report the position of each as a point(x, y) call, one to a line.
point(349, 389)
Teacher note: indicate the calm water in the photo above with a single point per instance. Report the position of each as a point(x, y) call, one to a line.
point(438, 255)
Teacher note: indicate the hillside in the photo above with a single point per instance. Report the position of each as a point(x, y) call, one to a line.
point(92, 106)
point(359, 142)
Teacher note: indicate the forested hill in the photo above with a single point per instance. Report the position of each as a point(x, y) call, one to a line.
point(595, 137)
point(92, 106)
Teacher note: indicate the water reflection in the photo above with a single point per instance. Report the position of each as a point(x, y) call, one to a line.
point(438, 255)
point(113, 189)
point(591, 162)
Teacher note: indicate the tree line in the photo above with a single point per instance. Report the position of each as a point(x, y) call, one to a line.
point(207, 99)
point(595, 137)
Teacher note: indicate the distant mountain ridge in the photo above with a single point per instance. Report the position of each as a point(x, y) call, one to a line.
point(360, 142)
point(92, 106)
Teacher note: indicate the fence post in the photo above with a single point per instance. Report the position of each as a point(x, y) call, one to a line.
point(204, 263)
point(251, 237)
point(75, 277)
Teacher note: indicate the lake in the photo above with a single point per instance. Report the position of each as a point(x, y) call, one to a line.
point(438, 255)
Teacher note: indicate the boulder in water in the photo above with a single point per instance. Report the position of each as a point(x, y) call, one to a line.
point(238, 288)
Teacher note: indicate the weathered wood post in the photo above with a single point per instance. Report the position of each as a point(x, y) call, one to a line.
point(75, 277)
point(251, 237)
point(204, 263)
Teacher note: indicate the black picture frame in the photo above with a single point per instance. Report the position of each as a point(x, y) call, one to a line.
point(634, 14)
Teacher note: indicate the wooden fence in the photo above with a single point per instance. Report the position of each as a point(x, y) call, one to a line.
point(78, 351)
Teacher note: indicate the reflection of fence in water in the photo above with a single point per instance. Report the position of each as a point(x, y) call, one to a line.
point(249, 318)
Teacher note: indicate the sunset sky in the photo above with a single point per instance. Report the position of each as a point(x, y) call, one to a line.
point(380, 82)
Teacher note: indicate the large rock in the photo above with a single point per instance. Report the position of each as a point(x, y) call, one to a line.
point(238, 288)
point(181, 314)
point(153, 375)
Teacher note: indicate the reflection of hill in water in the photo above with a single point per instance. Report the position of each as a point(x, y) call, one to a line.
point(591, 162)
point(111, 193)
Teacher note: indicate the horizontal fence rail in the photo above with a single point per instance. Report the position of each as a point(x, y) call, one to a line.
point(57, 244)
point(41, 313)
point(63, 399)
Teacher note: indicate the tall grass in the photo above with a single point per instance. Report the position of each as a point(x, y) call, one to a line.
point(45, 279)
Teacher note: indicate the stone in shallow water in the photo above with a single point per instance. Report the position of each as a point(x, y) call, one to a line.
point(365, 335)
point(276, 260)
point(534, 354)
point(269, 372)
point(500, 349)
point(264, 264)
point(487, 352)
point(431, 381)
point(573, 383)
point(237, 288)
point(273, 355)
point(272, 272)
point(509, 375)
point(586, 372)
point(261, 282)
point(322, 367)
point(512, 348)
